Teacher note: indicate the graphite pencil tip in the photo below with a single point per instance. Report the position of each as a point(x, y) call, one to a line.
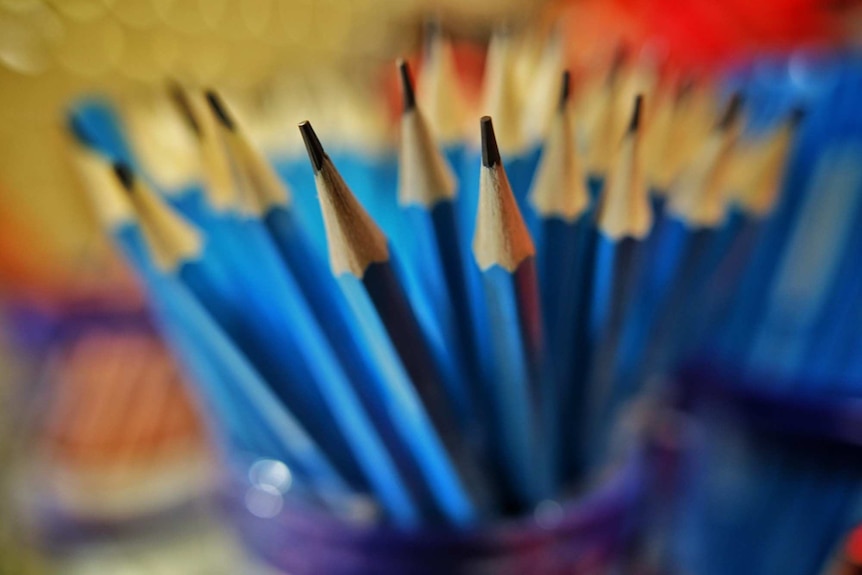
point(732, 112)
point(565, 88)
point(635, 122)
point(219, 109)
point(124, 175)
point(618, 61)
point(407, 91)
point(316, 154)
point(181, 100)
point(797, 114)
point(490, 151)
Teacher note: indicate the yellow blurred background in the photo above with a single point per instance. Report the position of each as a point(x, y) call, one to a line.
point(53, 51)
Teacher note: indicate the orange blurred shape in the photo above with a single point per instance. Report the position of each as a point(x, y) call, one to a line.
point(120, 423)
point(118, 399)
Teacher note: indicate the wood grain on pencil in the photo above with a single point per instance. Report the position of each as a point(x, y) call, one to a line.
point(355, 241)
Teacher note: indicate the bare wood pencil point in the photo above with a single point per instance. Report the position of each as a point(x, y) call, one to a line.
point(354, 239)
point(624, 209)
point(559, 186)
point(501, 236)
point(732, 112)
point(107, 195)
point(698, 196)
point(312, 145)
point(409, 95)
point(260, 185)
point(490, 151)
point(425, 177)
point(170, 238)
point(500, 96)
point(181, 100)
point(219, 109)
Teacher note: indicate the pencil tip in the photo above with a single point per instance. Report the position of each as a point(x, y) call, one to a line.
point(490, 151)
point(732, 112)
point(565, 88)
point(316, 154)
point(684, 88)
point(797, 114)
point(124, 175)
point(181, 101)
point(634, 125)
point(620, 57)
point(407, 90)
point(218, 108)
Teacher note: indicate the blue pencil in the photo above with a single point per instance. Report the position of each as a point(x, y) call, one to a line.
point(246, 400)
point(607, 128)
point(624, 220)
point(427, 192)
point(272, 203)
point(364, 266)
point(561, 201)
point(176, 247)
point(521, 381)
point(695, 214)
point(726, 259)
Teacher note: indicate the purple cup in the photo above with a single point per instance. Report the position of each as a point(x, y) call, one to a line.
point(590, 534)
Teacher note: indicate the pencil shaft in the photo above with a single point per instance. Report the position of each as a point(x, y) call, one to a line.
point(404, 330)
point(340, 324)
point(451, 251)
point(409, 415)
point(614, 281)
point(198, 326)
point(515, 331)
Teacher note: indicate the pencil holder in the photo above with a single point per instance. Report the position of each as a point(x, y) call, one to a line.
point(772, 477)
point(592, 533)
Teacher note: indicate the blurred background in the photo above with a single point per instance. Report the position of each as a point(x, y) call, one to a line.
point(105, 462)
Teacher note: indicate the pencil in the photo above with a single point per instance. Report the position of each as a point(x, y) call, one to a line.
point(504, 251)
point(561, 201)
point(361, 260)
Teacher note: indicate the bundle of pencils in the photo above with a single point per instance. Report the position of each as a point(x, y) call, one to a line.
point(468, 350)
point(775, 374)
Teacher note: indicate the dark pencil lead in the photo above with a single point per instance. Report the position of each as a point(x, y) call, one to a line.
point(685, 87)
point(797, 114)
point(621, 55)
point(432, 30)
point(565, 89)
point(490, 151)
point(731, 113)
point(219, 109)
point(124, 175)
point(181, 101)
point(636, 114)
point(316, 154)
point(406, 86)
